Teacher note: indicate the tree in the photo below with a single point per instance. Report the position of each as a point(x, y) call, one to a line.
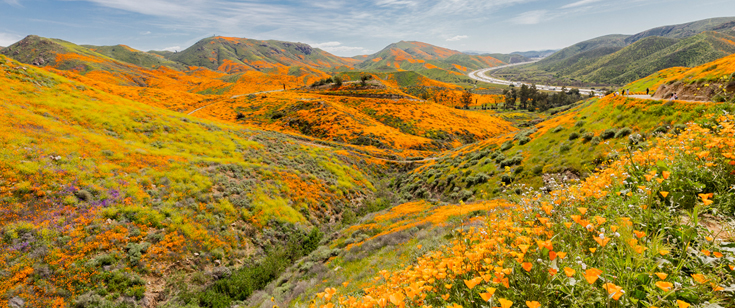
point(524, 95)
point(510, 98)
point(364, 79)
point(466, 99)
point(337, 80)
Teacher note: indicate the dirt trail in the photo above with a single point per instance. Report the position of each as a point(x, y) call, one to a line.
point(236, 96)
point(648, 97)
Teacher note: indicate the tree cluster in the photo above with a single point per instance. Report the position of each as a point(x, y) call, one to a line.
point(336, 80)
point(530, 98)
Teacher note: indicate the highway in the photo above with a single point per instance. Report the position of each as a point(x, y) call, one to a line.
point(479, 75)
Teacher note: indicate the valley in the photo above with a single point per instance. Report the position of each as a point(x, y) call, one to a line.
point(264, 173)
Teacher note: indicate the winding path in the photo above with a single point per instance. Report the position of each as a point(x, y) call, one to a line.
point(236, 96)
point(479, 75)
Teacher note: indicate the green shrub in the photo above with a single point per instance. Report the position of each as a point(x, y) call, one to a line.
point(558, 129)
point(623, 132)
point(579, 124)
point(588, 136)
point(524, 140)
point(608, 133)
point(678, 128)
point(564, 147)
point(507, 179)
point(506, 145)
point(596, 140)
point(660, 130)
point(538, 170)
point(573, 136)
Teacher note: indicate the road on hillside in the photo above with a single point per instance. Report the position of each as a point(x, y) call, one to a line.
point(479, 75)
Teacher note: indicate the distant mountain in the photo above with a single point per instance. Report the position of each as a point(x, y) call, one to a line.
point(535, 54)
point(232, 55)
point(685, 30)
point(651, 54)
point(619, 59)
point(510, 58)
point(417, 56)
point(126, 54)
point(604, 45)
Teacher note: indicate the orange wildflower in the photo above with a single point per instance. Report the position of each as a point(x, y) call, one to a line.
point(473, 282)
point(663, 285)
point(699, 278)
point(569, 271)
point(533, 304)
point(526, 266)
point(504, 303)
point(615, 291)
point(592, 274)
point(662, 276)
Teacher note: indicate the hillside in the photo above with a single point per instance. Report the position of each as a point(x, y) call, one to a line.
point(248, 173)
point(620, 59)
point(686, 30)
point(129, 55)
point(234, 55)
point(111, 198)
point(649, 55)
point(434, 62)
point(479, 225)
point(378, 116)
point(712, 81)
point(416, 56)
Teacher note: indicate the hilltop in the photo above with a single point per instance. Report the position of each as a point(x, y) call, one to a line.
point(431, 61)
point(232, 55)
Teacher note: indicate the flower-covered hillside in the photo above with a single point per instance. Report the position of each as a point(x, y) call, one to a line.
point(711, 81)
point(630, 235)
point(564, 147)
point(105, 201)
point(403, 125)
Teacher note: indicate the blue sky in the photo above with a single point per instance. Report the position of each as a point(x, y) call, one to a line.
point(347, 28)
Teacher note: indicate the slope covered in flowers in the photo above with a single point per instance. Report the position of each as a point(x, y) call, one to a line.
point(627, 236)
point(374, 122)
point(707, 80)
point(103, 199)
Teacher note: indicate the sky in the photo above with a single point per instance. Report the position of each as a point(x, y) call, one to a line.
point(348, 28)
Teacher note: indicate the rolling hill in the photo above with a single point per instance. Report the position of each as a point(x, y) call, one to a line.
point(649, 55)
point(234, 55)
point(110, 197)
point(620, 59)
point(129, 55)
point(417, 56)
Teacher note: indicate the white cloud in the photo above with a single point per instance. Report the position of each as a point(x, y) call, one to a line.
point(172, 48)
point(338, 48)
point(579, 3)
point(457, 38)
point(395, 3)
point(7, 39)
point(14, 3)
point(145, 33)
point(530, 17)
